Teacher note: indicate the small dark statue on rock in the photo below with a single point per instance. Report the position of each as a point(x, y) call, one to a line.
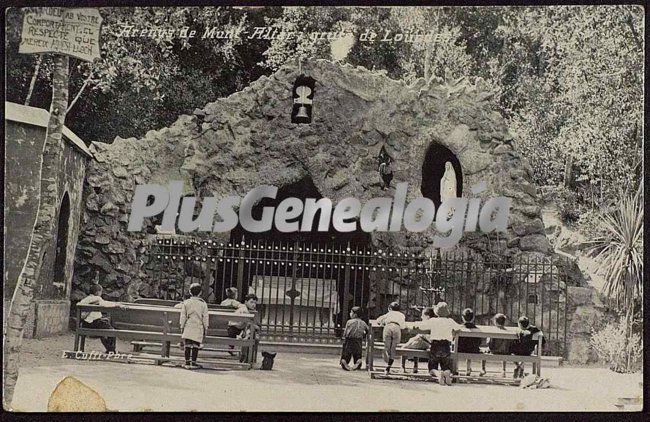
point(267, 363)
point(385, 169)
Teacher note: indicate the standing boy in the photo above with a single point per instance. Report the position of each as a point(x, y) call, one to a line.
point(194, 323)
point(393, 322)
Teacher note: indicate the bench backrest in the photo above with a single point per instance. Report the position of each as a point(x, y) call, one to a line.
point(172, 303)
point(165, 302)
point(481, 331)
point(158, 318)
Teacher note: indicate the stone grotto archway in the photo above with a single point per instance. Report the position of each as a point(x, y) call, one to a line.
point(247, 139)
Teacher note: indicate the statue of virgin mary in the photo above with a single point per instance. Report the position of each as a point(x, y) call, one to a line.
point(448, 185)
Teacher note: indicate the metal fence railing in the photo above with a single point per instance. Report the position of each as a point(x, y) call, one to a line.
point(306, 291)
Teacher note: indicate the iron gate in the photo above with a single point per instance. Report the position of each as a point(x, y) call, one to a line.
point(305, 291)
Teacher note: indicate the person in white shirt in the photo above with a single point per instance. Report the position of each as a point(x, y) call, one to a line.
point(95, 319)
point(393, 322)
point(441, 337)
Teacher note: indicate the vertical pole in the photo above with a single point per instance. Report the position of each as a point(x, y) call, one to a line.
point(294, 265)
point(370, 350)
point(166, 345)
point(346, 288)
point(76, 333)
point(240, 270)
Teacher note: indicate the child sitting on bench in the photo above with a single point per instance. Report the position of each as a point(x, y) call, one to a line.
point(468, 344)
point(525, 343)
point(237, 328)
point(355, 331)
point(420, 341)
point(231, 298)
point(96, 319)
point(498, 346)
point(194, 322)
point(393, 322)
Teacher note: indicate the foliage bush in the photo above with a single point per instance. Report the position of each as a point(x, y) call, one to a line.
point(569, 206)
point(589, 224)
point(619, 250)
point(622, 354)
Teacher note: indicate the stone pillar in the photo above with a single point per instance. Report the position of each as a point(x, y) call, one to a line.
point(585, 313)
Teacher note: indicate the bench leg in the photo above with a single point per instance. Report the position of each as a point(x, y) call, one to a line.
point(82, 343)
point(76, 342)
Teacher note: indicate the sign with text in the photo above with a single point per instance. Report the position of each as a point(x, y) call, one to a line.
point(74, 32)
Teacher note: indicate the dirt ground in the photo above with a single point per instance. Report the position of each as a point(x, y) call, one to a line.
point(299, 382)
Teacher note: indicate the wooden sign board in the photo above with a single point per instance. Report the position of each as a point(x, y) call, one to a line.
point(74, 32)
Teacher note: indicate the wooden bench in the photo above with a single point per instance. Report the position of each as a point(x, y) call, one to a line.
point(161, 325)
point(486, 331)
point(510, 333)
point(220, 329)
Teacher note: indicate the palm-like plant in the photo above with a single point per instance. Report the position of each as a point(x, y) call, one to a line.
point(620, 251)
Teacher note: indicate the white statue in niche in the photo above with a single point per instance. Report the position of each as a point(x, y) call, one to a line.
point(448, 185)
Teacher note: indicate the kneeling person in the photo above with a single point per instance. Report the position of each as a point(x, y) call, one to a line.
point(355, 330)
point(441, 337)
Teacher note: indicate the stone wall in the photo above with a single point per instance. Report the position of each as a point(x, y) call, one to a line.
point(24, 138)
point(45, 317)
point(23, 144)
point(586, 312)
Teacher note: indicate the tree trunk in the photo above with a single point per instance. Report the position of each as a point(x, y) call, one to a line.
point(81, 90)
point(427, 64)
point(32, 83)
point(44, 227)
point(568, 171)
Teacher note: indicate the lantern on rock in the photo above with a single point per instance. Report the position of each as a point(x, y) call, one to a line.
point(303, 97)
